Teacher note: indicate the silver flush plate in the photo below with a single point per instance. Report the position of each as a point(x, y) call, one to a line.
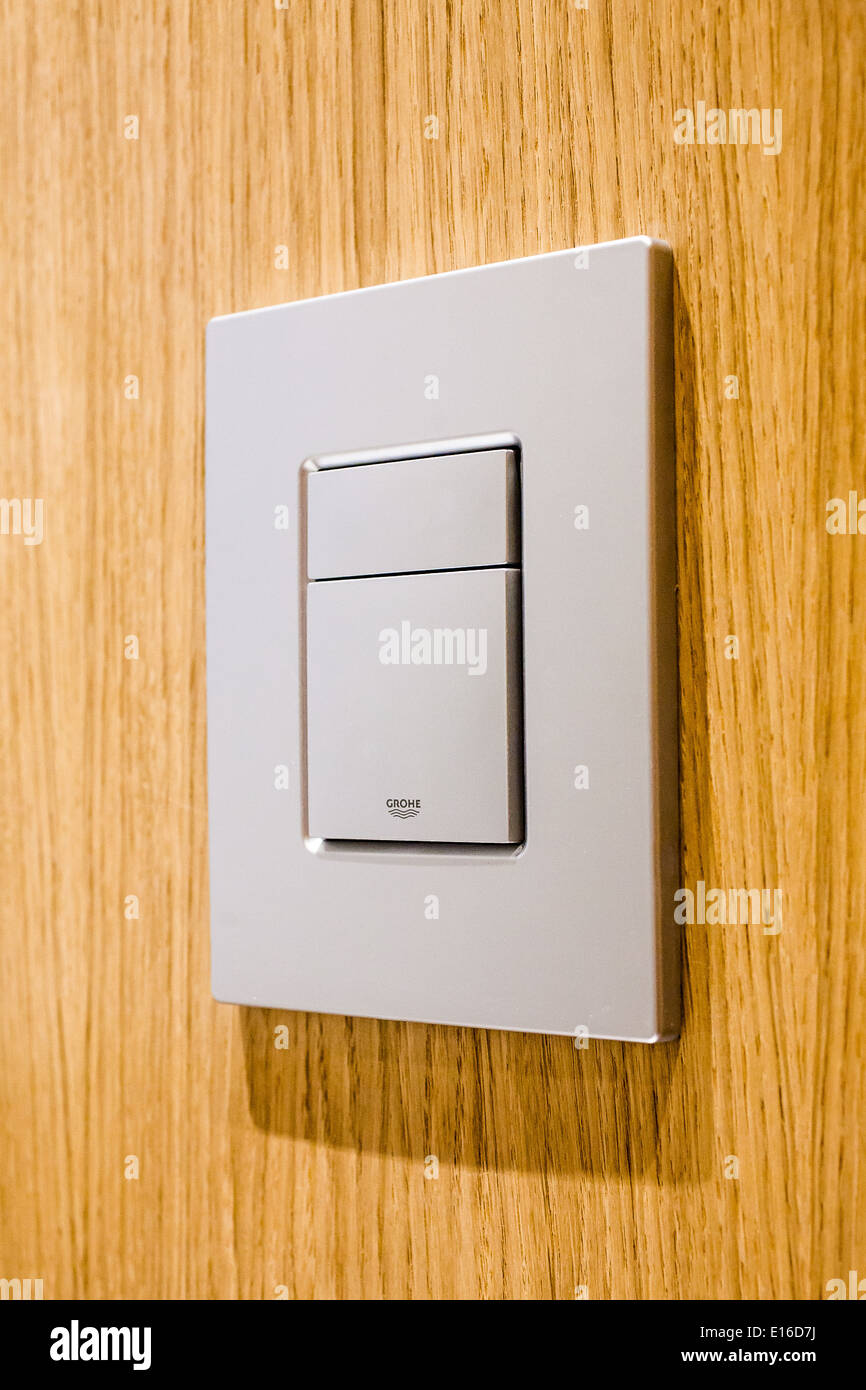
point(565, 360)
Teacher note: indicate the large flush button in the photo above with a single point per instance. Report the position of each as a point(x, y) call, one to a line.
point(414, 708)
point(456, 511)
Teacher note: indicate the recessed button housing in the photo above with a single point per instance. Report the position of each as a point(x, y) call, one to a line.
point(414, 673)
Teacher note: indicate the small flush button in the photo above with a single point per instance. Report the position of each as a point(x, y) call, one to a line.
point(414, 708)
point(457, 511)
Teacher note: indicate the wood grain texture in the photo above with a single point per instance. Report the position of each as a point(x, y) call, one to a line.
point(304, 1168)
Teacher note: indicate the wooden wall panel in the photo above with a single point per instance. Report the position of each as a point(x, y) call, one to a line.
point(304, 1168)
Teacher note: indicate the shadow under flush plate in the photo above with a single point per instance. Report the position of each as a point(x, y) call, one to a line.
point(442, 701)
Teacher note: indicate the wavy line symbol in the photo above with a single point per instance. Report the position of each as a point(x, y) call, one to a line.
point(404, 812)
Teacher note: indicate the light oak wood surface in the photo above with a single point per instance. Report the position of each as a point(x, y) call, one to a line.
point(302, 1170)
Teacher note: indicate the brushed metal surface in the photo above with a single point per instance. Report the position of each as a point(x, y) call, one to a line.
point(568, 358)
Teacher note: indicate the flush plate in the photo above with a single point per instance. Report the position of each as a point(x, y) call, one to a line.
point(566, 360)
